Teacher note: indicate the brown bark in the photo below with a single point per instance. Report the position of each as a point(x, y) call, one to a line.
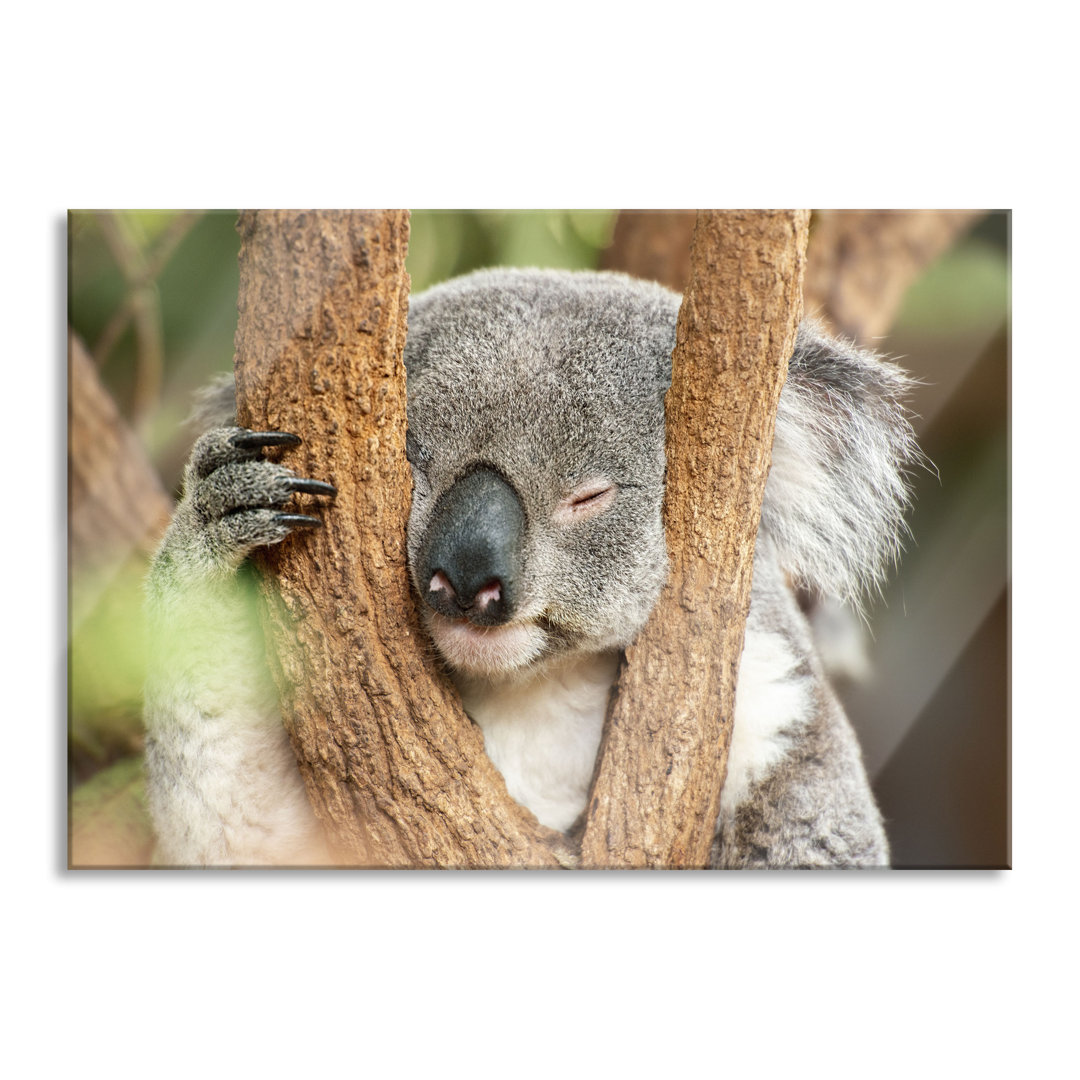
point(652, 244)
point(656, 792)
point(116, 503)
point(860, 263)
point(393, 766)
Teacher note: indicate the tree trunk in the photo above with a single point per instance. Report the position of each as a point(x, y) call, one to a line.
point(394, 768)
point(656, 792)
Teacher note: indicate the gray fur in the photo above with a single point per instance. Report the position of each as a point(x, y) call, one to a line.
point(814, 811)
point(552, 380)
point(537, 375)
point(222, 780)
point(814, 807)
point(838, 489)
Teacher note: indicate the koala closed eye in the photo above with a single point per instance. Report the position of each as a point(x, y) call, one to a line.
point(586, 501)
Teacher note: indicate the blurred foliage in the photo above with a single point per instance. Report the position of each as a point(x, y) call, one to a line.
point(445, 243)
point(965, 288)
point(196, 296)
point(106, 666)
point(110, 821)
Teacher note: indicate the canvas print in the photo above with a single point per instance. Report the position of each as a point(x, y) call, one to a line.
point(538, 539)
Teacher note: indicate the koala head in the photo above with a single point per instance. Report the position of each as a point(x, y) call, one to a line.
point(536, 439)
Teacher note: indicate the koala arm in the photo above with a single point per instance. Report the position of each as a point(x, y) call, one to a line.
point(223, 784)
point(796, 793)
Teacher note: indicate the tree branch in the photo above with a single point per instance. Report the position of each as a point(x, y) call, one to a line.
point(860, 263)
point(393, 766)
point(117, 507)
point(656, 792)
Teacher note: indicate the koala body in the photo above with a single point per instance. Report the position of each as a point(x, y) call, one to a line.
point(535, 543)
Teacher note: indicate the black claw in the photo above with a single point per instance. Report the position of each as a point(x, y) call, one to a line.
point(312, 487)
point(303, 520)
point(253, 440)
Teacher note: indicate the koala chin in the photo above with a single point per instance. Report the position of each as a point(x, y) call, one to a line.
point(536, 550)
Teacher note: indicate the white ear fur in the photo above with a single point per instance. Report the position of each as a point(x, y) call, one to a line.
point(838, 488)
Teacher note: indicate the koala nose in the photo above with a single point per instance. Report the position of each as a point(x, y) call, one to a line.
point(469, 564)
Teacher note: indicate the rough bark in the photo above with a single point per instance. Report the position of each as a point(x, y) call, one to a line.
point(652, 244)
point(656, 791)
point(393, 766)
point(860, 263)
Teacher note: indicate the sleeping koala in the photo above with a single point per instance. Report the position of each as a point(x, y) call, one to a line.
point(536, 546)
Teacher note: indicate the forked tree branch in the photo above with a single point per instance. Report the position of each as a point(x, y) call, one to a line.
point(393, 766)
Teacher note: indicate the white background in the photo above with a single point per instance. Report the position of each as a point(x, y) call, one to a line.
point(886, 974)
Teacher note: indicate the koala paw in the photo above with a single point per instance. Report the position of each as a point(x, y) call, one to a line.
point(238, 496)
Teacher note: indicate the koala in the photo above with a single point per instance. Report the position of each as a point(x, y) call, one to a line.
point(536, 549)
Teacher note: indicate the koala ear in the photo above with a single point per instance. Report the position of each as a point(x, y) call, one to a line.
point(838, 488)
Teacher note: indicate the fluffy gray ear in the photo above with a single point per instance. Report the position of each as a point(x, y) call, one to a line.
point(838, 488)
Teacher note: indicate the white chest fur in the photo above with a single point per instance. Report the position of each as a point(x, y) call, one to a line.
point(543, 734)
point(771, 702)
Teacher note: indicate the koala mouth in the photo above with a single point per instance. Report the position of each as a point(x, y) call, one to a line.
point(486, 650)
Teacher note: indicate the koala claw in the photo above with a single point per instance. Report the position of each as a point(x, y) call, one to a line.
point(312, 487)
point(253, 440)
point(303, 520)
